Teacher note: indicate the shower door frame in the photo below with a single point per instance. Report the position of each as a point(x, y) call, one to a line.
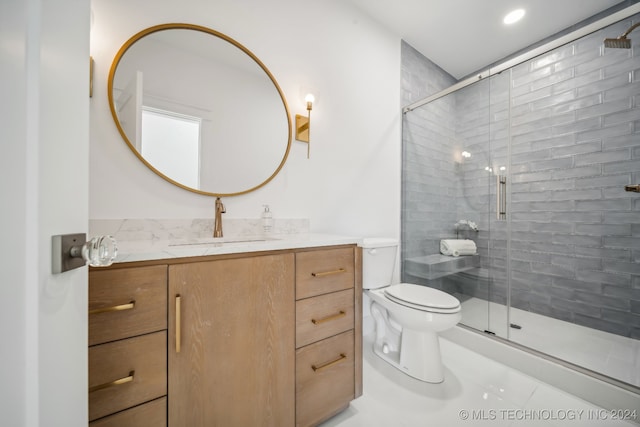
point(560, 41)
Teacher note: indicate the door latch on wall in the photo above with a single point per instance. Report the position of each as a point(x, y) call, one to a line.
point(69, 251)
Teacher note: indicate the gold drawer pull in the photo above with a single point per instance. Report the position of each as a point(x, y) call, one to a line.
point(329, 318)
point(113, 383)
point(178, 315)
point(120, 307)
point(328, 273)
point(329, 364)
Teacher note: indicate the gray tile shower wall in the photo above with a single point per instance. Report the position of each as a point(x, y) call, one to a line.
point(428, 183)
point(566, 128)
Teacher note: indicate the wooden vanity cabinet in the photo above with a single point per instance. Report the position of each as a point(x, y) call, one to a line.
point(328, 332)
point(255, 339)
point(231, 340)
point(127, 346)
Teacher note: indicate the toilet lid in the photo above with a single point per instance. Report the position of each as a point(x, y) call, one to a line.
point(423, 298)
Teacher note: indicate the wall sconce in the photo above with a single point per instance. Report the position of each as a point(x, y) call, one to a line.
point(303, 123)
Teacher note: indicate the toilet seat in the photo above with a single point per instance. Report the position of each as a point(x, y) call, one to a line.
point(422, 298)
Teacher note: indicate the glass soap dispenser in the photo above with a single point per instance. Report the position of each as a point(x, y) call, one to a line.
point(267, 220)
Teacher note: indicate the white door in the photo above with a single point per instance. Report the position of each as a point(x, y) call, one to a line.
point(44, 140)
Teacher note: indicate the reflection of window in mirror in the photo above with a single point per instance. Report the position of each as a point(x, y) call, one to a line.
point(171, 144)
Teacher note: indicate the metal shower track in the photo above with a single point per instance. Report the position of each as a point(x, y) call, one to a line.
point(568, 38)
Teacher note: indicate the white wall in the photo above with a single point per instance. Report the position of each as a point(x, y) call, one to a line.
point(44, 129)
point(351, 183)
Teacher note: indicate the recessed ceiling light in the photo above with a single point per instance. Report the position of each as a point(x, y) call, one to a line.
point(513, 16)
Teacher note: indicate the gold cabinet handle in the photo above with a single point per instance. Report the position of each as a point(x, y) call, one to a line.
point(113, 383)
point(329, 318)
point(120, 307)
point(328, 273)
point(329, 364)
point(178, 315)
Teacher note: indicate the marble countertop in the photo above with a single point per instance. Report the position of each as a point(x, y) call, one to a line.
point(145, 250)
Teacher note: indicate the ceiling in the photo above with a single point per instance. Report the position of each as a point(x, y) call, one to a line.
point(465, 36)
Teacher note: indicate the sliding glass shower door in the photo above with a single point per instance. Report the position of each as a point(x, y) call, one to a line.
point(454, 148)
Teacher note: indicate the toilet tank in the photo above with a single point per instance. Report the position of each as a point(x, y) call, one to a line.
point(378, 262)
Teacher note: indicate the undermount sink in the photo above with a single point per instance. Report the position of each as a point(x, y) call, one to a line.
point(222, 240)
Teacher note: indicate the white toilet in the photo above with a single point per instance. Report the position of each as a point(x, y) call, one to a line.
point(407, 317)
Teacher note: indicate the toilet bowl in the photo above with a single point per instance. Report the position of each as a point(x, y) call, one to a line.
point(407, 317)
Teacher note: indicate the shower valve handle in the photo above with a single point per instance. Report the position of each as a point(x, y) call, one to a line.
point(633, 188)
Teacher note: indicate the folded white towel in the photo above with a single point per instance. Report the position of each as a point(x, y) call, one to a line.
point(457, 247)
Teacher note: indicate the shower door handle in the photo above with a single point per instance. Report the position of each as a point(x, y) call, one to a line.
point(501, 196)
point(633, 188)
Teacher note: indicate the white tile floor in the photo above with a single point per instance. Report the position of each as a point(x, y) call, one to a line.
point(609, 354)
point(477, 391)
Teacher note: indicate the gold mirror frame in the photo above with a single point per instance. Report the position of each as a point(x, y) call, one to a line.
point(224, 37)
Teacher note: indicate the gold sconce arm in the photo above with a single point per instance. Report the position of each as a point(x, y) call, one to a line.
point(303, 123)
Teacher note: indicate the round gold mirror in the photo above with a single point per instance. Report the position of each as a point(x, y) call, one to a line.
point(199, 109)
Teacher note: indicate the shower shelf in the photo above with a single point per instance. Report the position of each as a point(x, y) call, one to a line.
point(435, 266)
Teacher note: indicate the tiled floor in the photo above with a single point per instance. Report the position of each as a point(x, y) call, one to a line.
point(609, 354)
point(476, 392)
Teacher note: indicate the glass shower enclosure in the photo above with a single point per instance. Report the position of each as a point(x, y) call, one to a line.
point(537, 163)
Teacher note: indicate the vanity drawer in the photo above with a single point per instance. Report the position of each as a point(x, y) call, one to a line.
point(153, 413)
point(323, 271)
point(126, 373)
point(324, 378)
point(323, 316)
point(126, 302)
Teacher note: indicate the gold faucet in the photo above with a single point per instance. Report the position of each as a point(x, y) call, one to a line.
point(217, 226)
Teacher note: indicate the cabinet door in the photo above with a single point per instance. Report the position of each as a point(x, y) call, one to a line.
point(235, 333)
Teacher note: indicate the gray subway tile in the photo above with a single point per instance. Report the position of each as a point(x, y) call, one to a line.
point(604, 133)
point(603, 157)
point(603, 205)
point(622, 242)
point(621, 217)
point(627, 166)
point(603, 181)
point(553, 270)
point(603, 86)
point(562, 163)
point(577, 172)
point(575, 217)
point(599, 252)
point(575, 285)
point(556, 184)
point(590, 123)
point(572, 150)
point(621, 116)
point(616, 266)
point(577, 194)
point(604, 229)
point(602, 301)
point(610, 109)
point(622, 292)
point(621, 317)
point(603, 277)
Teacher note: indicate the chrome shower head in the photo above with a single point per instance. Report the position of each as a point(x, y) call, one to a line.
point(621, 42)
